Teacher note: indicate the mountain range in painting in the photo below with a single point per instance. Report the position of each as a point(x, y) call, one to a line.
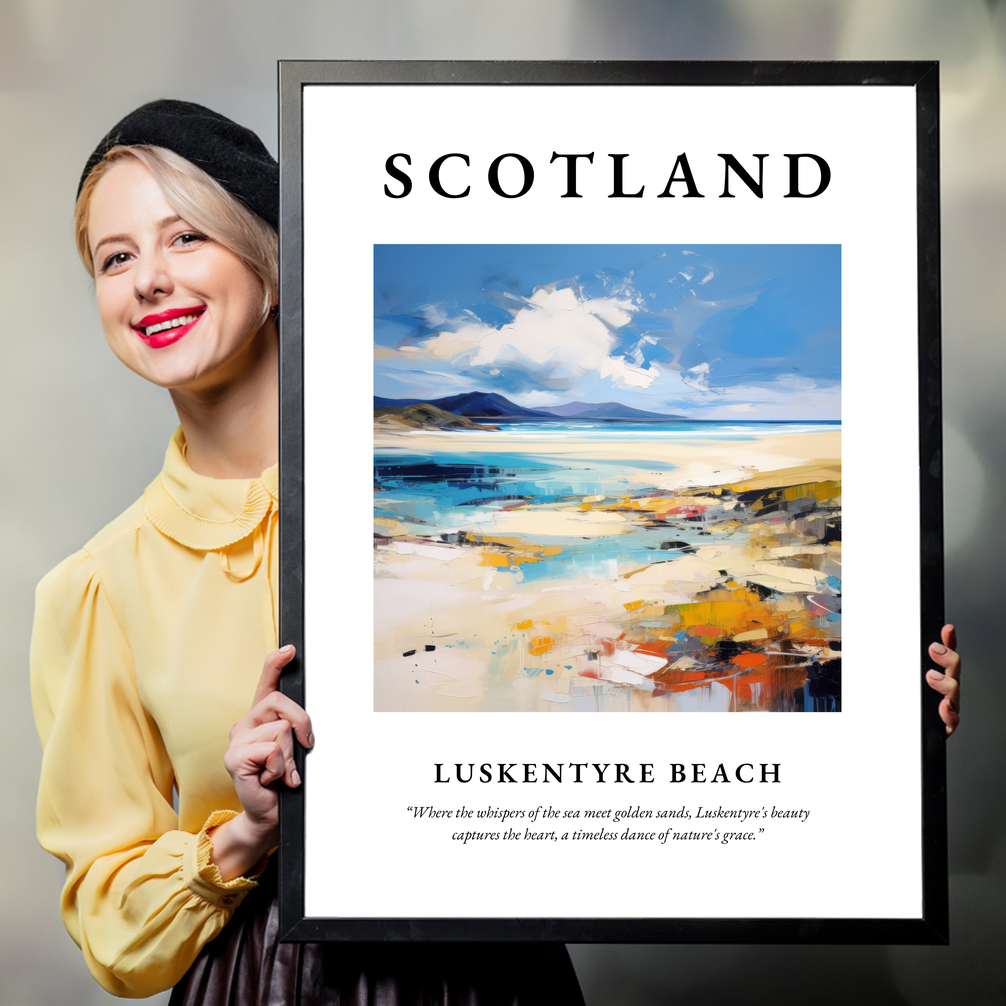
point(483, 405)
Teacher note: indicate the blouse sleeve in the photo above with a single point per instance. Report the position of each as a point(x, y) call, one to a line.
point(141, 898)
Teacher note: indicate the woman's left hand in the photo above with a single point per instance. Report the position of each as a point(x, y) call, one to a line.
point(948, 681)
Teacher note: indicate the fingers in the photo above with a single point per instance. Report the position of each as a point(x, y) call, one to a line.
point(949, 636)
point(947, 681)
point(265, 751)
point(277, 706)
point(949, 688)
point(950, 716)
point(271, 671)
point(262, 760)
point(272, 760)
point(948, 660)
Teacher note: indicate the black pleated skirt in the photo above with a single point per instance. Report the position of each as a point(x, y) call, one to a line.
point(246, 965)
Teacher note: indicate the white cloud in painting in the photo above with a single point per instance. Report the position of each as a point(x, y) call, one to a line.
point(557, 335)
point(697, 377)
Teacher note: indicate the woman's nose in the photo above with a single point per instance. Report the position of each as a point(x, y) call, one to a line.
point(152, 277)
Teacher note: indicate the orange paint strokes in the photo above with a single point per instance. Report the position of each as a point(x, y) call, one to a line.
point(731, 611)
point(661, 505)
point(495, 559)
point(737, 613)
point(684, 677)
point(705, 631)
point(749, 660)
point(633, 605)
point(523, 624)
point(656, 504)
point(540, 645)
point(653, 649)
point(824, 490)
point(810, 637)
point(670, 681)
point(518, 545)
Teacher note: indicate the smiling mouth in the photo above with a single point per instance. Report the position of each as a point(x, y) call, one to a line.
point(167, 321)
point(185, 319)
point(167, 327)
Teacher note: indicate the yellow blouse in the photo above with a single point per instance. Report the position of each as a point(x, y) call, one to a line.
point(147, 647)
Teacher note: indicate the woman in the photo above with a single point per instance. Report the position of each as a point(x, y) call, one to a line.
point(148, 643)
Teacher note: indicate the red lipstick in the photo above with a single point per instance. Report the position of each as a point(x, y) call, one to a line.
point(166, 327)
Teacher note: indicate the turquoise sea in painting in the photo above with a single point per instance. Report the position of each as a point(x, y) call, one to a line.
point(451, 494)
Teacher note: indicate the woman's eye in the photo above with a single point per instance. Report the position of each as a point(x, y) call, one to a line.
point(190, 238)
point(114, 261)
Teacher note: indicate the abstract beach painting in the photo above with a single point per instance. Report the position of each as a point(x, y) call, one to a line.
point(607, 478)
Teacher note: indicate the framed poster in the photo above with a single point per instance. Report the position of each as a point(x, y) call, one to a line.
point(633, 371)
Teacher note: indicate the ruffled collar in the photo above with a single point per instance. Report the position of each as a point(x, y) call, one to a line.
point(203, 513)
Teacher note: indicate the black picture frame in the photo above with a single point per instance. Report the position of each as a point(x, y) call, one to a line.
point(932, 926)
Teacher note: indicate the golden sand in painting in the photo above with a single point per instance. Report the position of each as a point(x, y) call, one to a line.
point(724, 597)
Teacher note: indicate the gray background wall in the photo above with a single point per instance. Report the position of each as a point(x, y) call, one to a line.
point(81, 436)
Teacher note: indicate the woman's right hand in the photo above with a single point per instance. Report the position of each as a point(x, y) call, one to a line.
point(948, 681)
point(260, 753)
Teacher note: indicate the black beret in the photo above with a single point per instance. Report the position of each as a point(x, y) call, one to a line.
point(230, 154)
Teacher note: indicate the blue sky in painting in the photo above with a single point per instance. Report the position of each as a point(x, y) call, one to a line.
point(708, 332)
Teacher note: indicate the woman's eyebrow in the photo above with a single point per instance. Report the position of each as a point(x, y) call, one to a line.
point(109, 240)
point(160, 225)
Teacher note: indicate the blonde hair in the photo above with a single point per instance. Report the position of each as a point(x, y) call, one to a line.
point(199, 200)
